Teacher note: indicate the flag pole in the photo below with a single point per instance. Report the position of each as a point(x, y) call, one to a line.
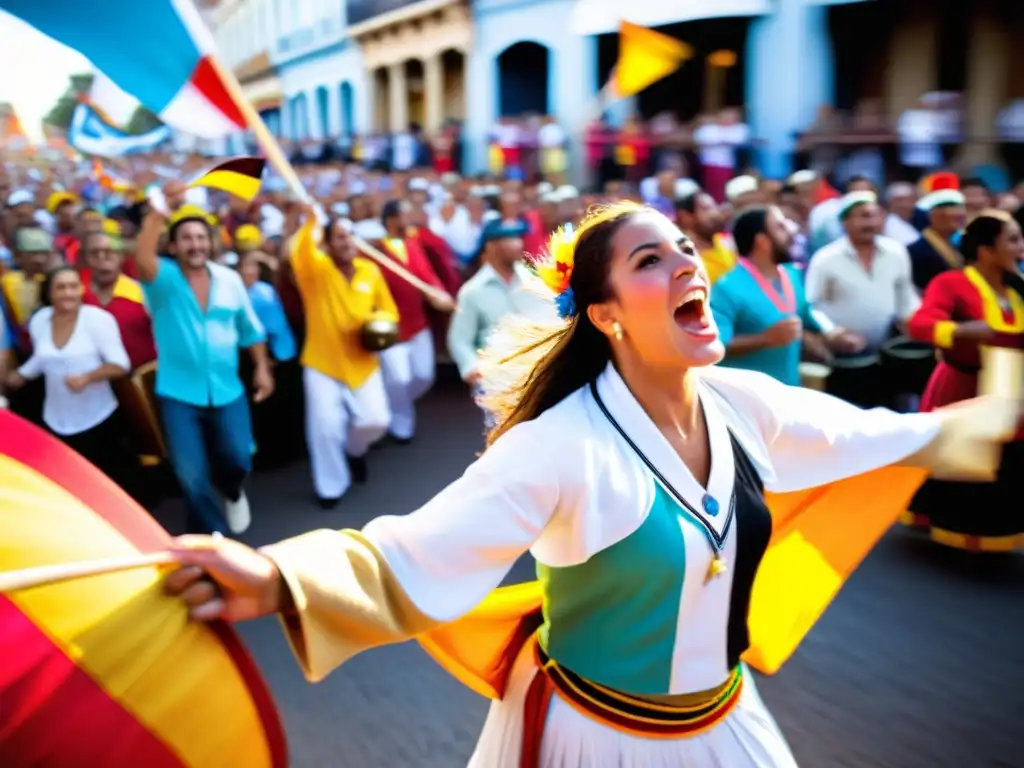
point(280, 161)
point(44, 575)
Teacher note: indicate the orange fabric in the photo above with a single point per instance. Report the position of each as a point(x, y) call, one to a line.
point(819, 538)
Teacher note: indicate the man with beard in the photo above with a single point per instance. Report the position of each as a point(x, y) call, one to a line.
point(760, 307)
point(202, 317)
point(698, 216)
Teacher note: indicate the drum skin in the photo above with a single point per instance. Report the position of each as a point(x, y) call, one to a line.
point(907, 365)
point(136, 397)
point(858, 380)
point(380, 332)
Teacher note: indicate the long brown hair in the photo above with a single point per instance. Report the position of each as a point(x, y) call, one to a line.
point(530, 367)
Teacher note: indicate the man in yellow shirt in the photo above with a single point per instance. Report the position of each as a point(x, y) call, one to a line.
point(701, 220)
point(346, 404)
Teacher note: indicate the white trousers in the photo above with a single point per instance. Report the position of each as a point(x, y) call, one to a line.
point(408, 370)
point(341, 422)
point(746, 738)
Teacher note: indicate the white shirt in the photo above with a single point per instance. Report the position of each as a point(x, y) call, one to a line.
point(566, 486)
point(460, 232)
point(901, 231)
point(94, 341)
point(838, 286)
point(551, 135)
point(716, 144)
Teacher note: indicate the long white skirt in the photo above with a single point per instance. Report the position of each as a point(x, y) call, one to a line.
point(746, 738)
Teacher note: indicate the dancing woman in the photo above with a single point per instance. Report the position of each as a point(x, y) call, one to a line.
point(633, 472)
point(962, 312)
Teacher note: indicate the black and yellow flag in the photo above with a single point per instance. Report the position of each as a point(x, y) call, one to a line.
point(240, 176)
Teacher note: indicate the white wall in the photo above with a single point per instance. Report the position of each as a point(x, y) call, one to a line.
point(329, 71)
point(572, 62)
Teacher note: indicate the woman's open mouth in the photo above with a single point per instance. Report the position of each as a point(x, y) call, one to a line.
point(691, 314)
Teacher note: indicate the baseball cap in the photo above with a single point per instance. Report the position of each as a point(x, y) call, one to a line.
point(32, 240)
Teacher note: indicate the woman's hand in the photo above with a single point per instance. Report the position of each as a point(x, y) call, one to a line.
point(224, 579)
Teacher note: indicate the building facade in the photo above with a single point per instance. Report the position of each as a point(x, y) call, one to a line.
point(785, 60)
point(414, 54)
point(243, 30)
point(321, 70)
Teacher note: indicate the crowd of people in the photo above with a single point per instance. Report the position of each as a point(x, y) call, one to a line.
point(194, 334)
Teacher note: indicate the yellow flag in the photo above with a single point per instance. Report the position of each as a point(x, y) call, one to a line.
point(645, 56)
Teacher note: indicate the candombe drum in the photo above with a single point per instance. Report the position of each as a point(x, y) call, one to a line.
point(907, 365)
point(857, 379)
point(380, 332)
point(136, 396)
point(814, 376)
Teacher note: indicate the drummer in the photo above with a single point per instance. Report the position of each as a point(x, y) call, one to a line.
point(346, 404)
point(762, 315)
point(863, 281)
point(980, 305)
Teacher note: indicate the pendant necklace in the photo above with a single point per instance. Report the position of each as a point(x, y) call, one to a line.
point(709, 503)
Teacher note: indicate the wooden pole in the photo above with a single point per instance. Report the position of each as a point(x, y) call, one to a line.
point(280, 161)
point(44, 575)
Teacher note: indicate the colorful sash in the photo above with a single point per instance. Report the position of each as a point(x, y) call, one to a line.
point(786, 303)
point(941, 245)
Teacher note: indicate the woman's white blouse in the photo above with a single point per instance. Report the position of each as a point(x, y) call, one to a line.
point(566, 486)
point(95, 340)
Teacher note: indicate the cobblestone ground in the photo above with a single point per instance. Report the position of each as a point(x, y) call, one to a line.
point(918, 664)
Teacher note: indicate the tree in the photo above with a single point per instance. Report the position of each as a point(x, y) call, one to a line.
point(60, 113)
point(142, 121)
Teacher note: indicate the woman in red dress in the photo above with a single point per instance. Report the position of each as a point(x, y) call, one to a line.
point(962, 311)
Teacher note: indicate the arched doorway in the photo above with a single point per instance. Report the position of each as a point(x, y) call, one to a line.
point(298, 107)
point(415, 93)
point(523, 79)
point(453, 79)
point(347, 101)
point(323, 109)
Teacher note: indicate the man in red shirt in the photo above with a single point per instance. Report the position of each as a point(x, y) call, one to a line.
point(109, 288)
point(408, 367)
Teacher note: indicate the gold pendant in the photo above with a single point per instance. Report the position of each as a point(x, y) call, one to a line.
point(717, 567)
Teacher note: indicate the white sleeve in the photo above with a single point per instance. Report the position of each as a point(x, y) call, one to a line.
point(449, 554)
point(107, 337)
point(38, 326)
point(814, 280)
point(800, 438)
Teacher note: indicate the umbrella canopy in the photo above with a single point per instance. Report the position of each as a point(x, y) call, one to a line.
point(107, 670)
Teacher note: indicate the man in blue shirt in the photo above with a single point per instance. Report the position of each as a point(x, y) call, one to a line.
point(762, 314)
point(202, 317)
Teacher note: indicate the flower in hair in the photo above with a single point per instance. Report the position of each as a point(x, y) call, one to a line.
point(556, 269)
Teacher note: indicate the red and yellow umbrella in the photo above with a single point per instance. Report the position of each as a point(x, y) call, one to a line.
point(107, 670)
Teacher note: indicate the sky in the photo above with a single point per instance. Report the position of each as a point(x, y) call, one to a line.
point(35, 71)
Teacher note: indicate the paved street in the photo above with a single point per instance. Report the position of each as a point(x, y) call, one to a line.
point(917, 665)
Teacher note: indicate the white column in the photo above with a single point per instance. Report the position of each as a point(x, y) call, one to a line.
point(398, 97)
point(433, 92)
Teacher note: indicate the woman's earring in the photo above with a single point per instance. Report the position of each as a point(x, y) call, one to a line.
point(617, 330)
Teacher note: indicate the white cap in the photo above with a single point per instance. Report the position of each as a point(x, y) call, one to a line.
point(741, 185)
point(567, 192)
point(940, 198)
point(685, 188)
point(340, 209)
point(418, 185)
point(851, 200)
point(20, 197)
point(544, 187)
point(803, 177)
